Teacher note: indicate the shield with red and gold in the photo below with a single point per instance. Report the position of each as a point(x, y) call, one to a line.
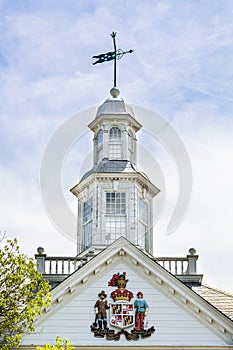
point(122, 314)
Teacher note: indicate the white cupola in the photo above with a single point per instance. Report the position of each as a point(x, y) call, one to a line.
point(114, 197)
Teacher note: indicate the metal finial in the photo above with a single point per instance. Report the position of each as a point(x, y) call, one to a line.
point(117, 54)
point(192, 251)
point(40, 250)
point(114, 92)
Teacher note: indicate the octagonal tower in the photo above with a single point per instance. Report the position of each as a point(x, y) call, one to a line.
point(114, 197)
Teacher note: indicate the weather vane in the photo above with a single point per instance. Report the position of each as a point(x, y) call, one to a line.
point(117, 54)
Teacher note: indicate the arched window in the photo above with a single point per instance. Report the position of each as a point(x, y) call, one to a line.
point(100, 138)
point(99, 145)
point(115, 144)
point(115, 133)
point(130, 146)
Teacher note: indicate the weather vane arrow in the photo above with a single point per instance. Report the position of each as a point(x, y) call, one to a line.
point(117, 54)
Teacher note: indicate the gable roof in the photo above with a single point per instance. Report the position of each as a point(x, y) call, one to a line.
point(146, 267)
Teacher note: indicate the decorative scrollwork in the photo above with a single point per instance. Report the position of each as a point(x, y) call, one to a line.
point(110, 334)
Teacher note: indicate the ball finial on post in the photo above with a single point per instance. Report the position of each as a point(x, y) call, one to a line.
point(114, 92)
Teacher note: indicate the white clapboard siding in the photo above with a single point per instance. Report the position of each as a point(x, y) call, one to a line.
point(72, 317)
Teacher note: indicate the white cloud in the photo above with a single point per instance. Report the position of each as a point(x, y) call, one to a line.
point(181, 67)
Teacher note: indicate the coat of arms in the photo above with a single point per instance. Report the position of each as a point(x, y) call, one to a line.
point(123, 313)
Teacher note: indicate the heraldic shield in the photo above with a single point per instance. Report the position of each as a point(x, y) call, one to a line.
point(122, 314)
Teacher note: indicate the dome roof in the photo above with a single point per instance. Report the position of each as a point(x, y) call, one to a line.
point(114, 105)
point(114, 108)
point(114, 166)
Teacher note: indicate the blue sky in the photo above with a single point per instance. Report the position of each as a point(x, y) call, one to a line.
point(181, 68)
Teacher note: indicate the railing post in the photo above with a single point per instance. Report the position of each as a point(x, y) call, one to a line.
point(192, 262)
point(40, 260)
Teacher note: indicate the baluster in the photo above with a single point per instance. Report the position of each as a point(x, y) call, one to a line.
point(62, 266)
point(50, 266)
point(182, 267)
point(56, 266)
point(175, 267)
point(170, 266)
point(68, 266)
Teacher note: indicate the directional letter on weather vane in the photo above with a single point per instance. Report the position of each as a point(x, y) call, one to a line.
point(117, 54)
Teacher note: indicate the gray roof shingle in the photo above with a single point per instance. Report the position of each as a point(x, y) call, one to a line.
point(221, 300)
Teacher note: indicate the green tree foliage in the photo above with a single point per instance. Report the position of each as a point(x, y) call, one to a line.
point(61, 344)
point(23, 294)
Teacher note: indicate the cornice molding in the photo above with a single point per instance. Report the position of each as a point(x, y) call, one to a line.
point(102, 118)
point(95, 177)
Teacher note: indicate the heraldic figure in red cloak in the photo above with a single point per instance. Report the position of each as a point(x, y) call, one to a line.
point(141, 310)
point(101, 306)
